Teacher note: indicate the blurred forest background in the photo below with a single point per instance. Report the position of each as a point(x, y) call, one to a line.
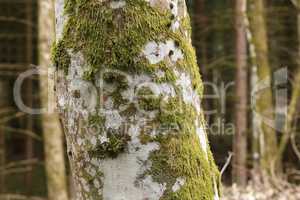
point(236, 48)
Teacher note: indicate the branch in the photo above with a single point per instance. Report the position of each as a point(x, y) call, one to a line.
point(20, 163)
point(295, 3)
point(22, 131)
point(19, 197)
point(227, 163)
point(6, 119)
point(294, 145)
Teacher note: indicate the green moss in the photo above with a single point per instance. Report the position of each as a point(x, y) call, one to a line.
point(180, 155)
point(191, 165)
point(101, 34)
point(94, 192)
point(168, 77)
point(95, 119)
point(147, 100)
point(129, 111)
point(115, 145)
point(60, 57)
point(145, 138)
point(175, 112)
point(116, 78)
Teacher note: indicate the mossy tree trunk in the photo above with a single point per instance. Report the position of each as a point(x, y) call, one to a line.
point(129, 90)
point(294, 101)
point(52, 130)
point(263, 98)
point(240, 139)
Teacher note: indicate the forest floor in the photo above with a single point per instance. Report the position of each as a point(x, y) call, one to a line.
point(256, 191)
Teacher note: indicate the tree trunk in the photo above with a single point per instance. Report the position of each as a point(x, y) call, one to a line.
point(129, 89)
point(53, 135)
point(5, 107)
point(292, 108)
point(240, 139)
point(263, 96)
point(29, 142)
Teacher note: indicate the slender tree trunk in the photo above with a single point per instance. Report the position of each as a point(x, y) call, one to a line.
point(264, 106)
point(129, 88)
point(5, 103)
point(253, 80)
point(240, 139)
point(2, 158)
point(53, 135)
point(29, 154)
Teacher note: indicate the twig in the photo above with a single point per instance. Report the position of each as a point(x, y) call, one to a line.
point(4, 111)
point(23, 131)
point(230, 154)
point(15, 171)
point(17, 20)
point(20, 163)
point(19, 197)
point(6, 119)
point(294, 146)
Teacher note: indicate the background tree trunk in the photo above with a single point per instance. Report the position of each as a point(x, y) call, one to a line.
point(129, 91)
point(240, 139)
point(292, 108)
point(264, 105)
point(5, 109)
point(53, 135)
point(200, 42)
point(29, 142)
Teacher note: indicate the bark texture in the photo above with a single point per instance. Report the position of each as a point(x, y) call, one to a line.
point(129, 90)
point(52, 131)
point(241, 81)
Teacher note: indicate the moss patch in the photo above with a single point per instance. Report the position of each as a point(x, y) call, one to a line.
point(60, 57)
point(180, 156)
point(101, 33)
point(115, 145)
point(192, 165)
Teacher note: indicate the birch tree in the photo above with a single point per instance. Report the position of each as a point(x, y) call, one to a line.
point(52, 131)
point(129, 92)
